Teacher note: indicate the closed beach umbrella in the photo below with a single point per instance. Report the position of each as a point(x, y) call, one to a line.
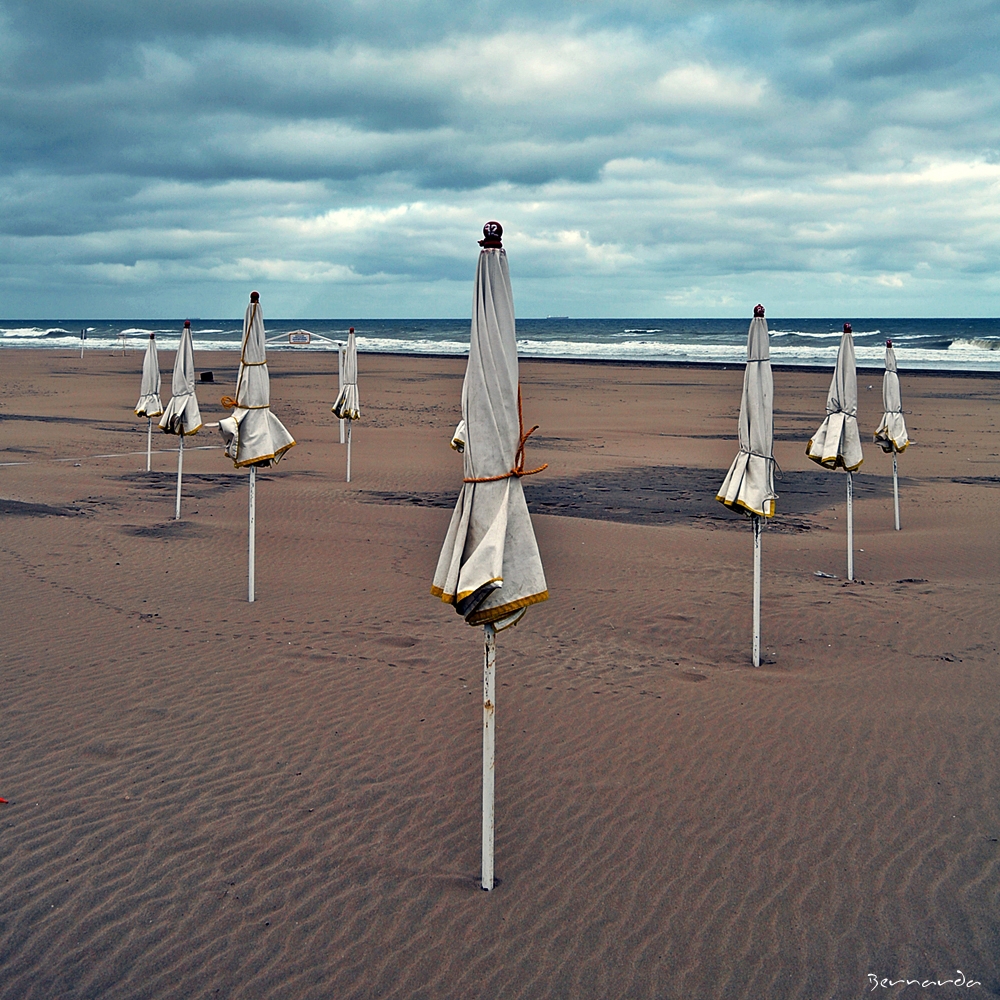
point(149, 404)
point(489, 567)
point(253, 435)
point(837, 443)
point(749, 484)
point(348, 405)
point(341, 349)
point(182, 416)
point(891, 434)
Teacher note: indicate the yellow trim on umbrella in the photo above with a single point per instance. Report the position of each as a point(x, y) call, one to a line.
point(183, 433)
point(493, 614)
point(837, 463)
point(264, 458)
point(455, 598)
point(881, 442)
point(744, 506)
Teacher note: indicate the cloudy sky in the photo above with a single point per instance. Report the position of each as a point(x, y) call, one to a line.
point(663, 158)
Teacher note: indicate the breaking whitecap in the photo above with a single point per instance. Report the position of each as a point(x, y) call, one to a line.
point(948, 344)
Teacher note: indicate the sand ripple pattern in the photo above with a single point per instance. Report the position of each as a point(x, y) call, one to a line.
point(281, 800)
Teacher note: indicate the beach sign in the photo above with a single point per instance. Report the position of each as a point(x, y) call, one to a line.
point(299, 337)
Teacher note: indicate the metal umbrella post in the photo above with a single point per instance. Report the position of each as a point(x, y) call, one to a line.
point(180, 473)
point(850, 525)
point(489, 749)
point(252, 545)
point(756, 589)
point(895, 490)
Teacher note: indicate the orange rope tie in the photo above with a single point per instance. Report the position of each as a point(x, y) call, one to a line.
point(518, 470)
point(229, 403)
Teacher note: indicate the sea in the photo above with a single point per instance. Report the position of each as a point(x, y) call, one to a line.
point(965, 345)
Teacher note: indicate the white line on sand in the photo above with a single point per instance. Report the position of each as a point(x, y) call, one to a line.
point(124, 454)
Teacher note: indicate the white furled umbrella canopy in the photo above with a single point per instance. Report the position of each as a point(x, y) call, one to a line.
point(348, 405)
point(181, 415)
point(149, 404)
point(749, 484)
point(253, 434)
point(891, 434)
point(489, 566)
point(837, 443)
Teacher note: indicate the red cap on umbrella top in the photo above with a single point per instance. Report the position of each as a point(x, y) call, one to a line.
point(152, 336)
point(352, 329)
point(847, 328)
point(255, 296)
point(493, 234)
point(888, 343)
point(758, 311)
point(187, 324)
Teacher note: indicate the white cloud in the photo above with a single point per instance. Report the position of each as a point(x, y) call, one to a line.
point(702, 86)
point(640, 158)
point(346, 220)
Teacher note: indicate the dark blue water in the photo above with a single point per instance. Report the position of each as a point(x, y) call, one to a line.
point(951, 344)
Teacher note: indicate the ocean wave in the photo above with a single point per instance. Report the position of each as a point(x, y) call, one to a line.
point(975, 343)
point(950, 345)
point(820, 355)
point(626, 349)
point(803, 333)
point(34, 331)
point(823, 336)
point(393, 345)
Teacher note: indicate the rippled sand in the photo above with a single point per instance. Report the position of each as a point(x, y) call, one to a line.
point(214, 799)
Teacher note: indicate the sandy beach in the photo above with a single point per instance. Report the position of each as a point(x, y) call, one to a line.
point(209, 798)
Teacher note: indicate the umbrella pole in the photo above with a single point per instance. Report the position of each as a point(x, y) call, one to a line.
point(756, 590)
point(180, 473)
point(850, 525)
point(349, 422)
point(149, 441)
point(252, 552)
point(895, 490)
point(489, 749)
